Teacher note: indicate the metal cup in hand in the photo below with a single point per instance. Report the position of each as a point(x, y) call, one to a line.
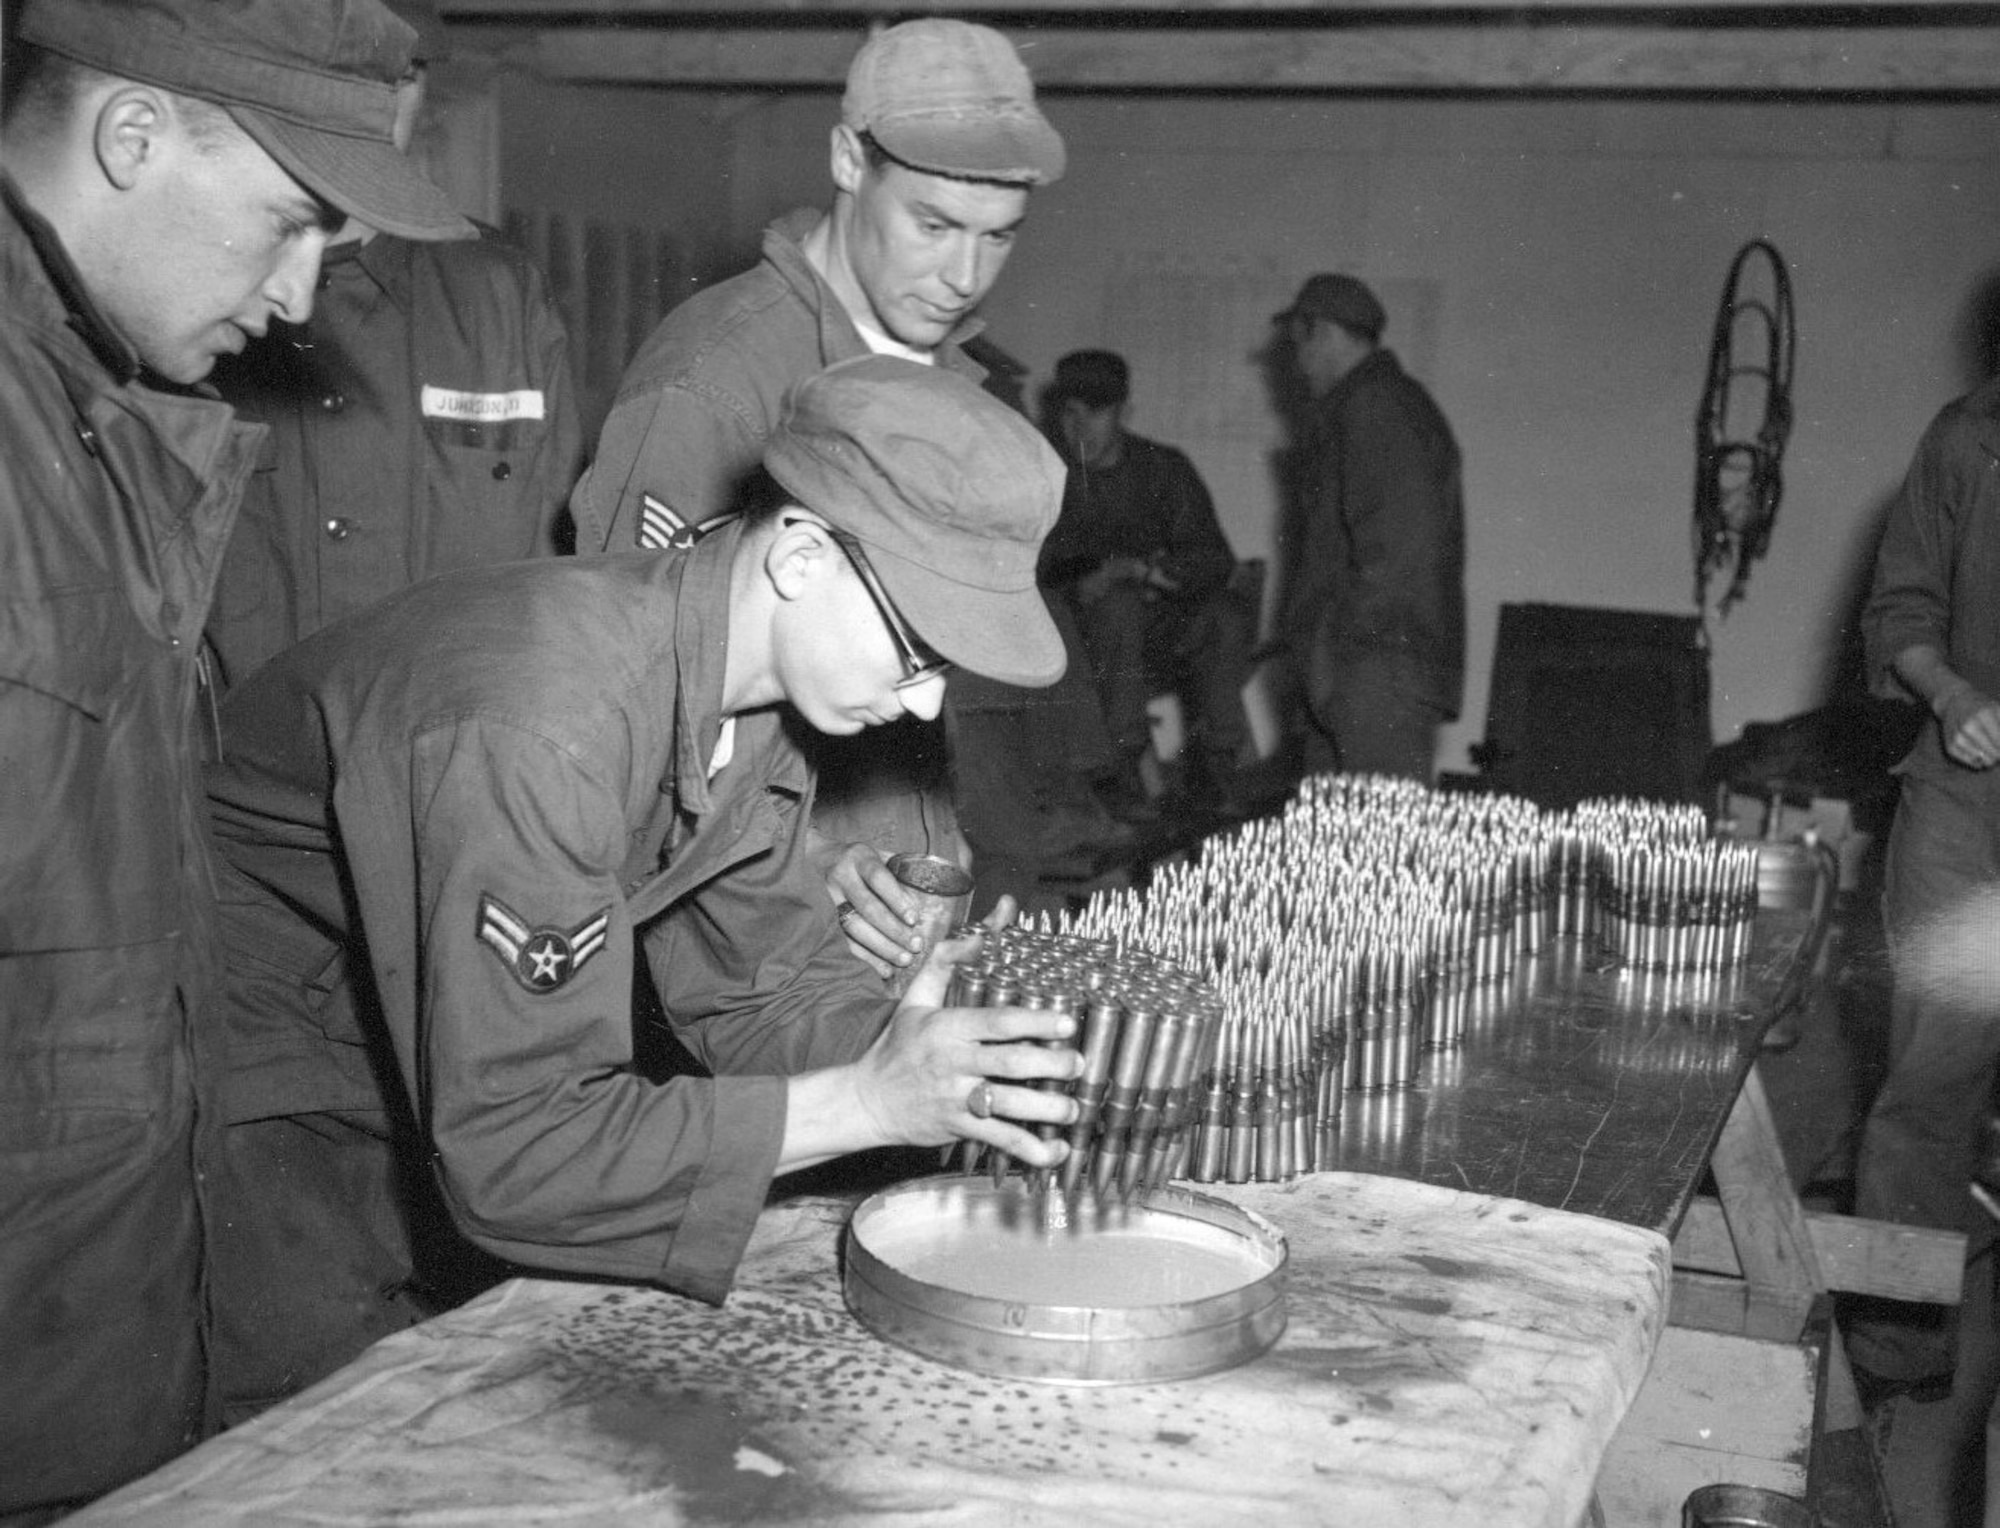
point(942, 894)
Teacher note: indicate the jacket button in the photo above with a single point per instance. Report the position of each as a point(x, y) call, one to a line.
point(333, 403)
point(502, 472)
point(339, 528)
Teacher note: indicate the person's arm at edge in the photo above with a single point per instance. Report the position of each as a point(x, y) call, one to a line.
point(1968, 719)
point(1907, 621)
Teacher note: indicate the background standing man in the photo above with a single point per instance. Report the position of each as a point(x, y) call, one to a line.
point(448, 823)
point(1932, 629)
point(173, 170)
point(1140, 556)
point(424, 419)
point(1374, 606)
point(938, 150)
point(939, 145)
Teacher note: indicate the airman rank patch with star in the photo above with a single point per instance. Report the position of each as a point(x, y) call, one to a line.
point(540, 959)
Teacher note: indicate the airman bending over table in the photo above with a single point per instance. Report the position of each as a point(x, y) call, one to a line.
point(448, 821)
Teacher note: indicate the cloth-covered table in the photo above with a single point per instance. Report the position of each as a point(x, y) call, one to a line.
point(1450, 1358)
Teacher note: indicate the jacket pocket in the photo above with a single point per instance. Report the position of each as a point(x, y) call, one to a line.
point(72, 644)
point(91, 1052)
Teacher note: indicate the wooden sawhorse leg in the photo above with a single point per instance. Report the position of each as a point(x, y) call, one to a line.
point(1776, 1259)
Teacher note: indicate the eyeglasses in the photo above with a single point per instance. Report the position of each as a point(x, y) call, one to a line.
point(921, 663)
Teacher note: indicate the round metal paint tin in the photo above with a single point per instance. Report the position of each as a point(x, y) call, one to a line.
point(1008, 1282)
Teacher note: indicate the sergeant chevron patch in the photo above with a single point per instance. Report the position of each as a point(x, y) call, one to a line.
point(540, 959)
point(660, 528)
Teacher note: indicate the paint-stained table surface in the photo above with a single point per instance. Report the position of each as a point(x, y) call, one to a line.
point(1450, 1359)
point(1474, 1299)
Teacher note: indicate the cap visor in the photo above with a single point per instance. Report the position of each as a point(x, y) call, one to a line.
point(372, 182)
point(1006, 635)
point(1016, 148)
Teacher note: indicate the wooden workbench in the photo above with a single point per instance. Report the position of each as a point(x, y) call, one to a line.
point(1588, 1086)
point(1450, 1359)
point(1475, 1298)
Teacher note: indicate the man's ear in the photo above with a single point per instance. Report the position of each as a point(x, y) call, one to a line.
point(128, 133)
point(848, 159)
point(797, 554)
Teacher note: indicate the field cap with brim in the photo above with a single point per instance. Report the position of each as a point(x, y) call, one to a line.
point(950, 492)
point(1095, 378)
point(952, 98)
point(312, 81)
point(1343, 299)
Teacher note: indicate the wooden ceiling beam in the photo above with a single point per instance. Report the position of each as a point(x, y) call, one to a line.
point(1541, 53)
point(1199, 13)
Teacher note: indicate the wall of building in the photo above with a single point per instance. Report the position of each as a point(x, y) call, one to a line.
point(624, 196)
point(1552, 270)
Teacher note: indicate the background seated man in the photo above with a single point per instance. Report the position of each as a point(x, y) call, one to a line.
point(447, 822)
point(1139, 554)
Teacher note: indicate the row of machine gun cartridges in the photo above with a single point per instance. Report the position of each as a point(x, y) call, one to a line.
point(1227, 1006)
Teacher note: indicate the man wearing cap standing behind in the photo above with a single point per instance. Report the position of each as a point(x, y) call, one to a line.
point(173, 169)
point(425, 418)
point(1374, 603)
point(939, 147)
point(447, 823)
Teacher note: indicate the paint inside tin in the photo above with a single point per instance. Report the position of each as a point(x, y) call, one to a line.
point(1004, 1280)
point(1117, 1255)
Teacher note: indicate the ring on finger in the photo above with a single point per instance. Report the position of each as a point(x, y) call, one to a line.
point(979, 1102)
point(842, 912)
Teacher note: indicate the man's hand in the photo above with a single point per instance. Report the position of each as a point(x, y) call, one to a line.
point(939, 1074)
point(1970, 724)
point(1968, 719)
point(877, 914)
point(929, 986)
point(935, 1075)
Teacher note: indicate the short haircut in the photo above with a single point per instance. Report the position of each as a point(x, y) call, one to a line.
point(41, 87)
point(38, 86)
point(763, 498)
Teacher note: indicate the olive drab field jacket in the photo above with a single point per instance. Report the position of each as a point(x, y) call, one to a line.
point(116, 500)
point(511, 768)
